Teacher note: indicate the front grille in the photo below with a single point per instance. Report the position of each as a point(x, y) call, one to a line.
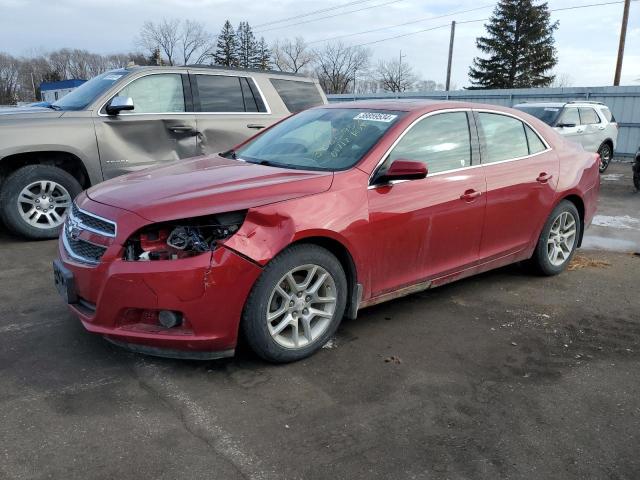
point(81, 249)
point(93, 223)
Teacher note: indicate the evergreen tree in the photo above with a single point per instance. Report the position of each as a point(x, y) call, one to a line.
point(246, 45)
point(227, 47)
point(519, 45)
point(262, 58)
point(156, 57)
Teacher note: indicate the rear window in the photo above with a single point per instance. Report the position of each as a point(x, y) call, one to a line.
point(296, 95)
point(588, 116)
point(227, 94)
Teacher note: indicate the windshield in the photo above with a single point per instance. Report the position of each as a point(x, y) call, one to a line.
point(86, 93)
point(548, 115)
point(320, 139)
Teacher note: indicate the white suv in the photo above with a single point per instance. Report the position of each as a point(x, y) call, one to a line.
point(589, 123)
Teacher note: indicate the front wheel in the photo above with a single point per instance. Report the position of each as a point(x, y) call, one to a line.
point(558, 240)
point(35, 200)
point(606, 154)
point(296, 305)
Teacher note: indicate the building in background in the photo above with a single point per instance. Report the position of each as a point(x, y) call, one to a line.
point(52, 91)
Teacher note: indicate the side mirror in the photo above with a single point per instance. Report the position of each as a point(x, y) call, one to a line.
point(402, 169)
point(119, 104)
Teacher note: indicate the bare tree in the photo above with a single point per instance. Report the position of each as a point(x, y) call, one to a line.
point(395, 76)
point(337, 66)
point(164, 35)
point(195, 42)
point(562, 80)
point(8, 79)
point(292, 56)
point(429, 86)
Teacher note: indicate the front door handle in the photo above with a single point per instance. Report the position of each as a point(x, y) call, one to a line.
point(255, 125)
point(181, 129)
point(580, 130)
point(544, 177)
point(470, 195)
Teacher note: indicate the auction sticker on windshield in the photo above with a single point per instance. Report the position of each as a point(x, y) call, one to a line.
point(376, 117)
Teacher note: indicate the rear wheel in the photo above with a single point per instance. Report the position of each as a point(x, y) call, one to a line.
point(558, 240)
point(296, 305)
point(35, 200)
point(606, 154)
point(636, 173)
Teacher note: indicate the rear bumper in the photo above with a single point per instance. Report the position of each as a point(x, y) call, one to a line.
point(117, 299)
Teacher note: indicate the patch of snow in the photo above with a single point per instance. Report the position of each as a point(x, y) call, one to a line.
point(623, 222)
point(612, 177)
point(331, 343)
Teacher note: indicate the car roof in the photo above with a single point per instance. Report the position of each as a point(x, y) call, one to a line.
point(412, 105)
point(216, 68)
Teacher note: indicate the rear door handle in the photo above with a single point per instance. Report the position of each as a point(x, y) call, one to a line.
point(470, 195)
point(255, 125)
point(544, 177)
point(181, 129)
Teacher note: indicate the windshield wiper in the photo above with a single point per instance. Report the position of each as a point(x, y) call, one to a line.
point(54, 107)
point(229, 154)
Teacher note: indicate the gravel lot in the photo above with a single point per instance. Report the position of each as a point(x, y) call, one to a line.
point(504, 375)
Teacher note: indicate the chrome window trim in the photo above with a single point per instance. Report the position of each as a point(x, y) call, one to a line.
point(90, 229)
point(71, 253)
point(481, 164)
point(185, 72)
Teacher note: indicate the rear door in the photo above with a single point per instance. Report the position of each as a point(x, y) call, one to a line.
point(423, 229)
point(569, 125)
point(594, 130)
point(161, 128)
point(229, 109)
point(522, 175)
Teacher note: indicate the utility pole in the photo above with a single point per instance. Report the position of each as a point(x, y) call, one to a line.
point(623, 36)
point(399, 82)
point(453, 34)
point(33, 85)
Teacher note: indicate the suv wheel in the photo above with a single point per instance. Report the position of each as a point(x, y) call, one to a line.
point(558, 240)
point(35, 199)
point(296, 305)
point(606, 154)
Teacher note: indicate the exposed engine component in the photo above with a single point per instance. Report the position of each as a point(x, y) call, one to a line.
point(182, 238)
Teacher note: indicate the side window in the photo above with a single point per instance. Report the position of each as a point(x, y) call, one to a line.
point(442, 141)
point(588, 116)
point(296, 95)
point(535, 144)
point(570, 117)
point(220, 93)
point(161, 93)
point(252, 99)
point(503, 137)
point(608, 115)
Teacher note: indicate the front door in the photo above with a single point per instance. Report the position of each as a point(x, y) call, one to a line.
point(229, 108)
point(422, 229)
point(569, 125)
point(159, 129)
point(522, 174)
point(593, 134)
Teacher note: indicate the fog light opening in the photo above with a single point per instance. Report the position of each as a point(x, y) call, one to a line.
point(169, 319)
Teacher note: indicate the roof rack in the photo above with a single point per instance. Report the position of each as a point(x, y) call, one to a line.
point(240, 69)
point(587, 101)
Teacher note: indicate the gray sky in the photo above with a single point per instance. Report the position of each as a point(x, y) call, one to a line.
point(587, 39)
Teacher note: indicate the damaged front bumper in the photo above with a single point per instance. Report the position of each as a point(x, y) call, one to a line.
point(122, 300)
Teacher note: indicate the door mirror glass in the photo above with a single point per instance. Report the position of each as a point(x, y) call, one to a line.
point(403, 169)
point(119, 104)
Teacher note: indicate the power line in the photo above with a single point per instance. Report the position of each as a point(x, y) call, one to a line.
point(425, 19)
point(575, 7)
point(329, 16)
point(313, 12)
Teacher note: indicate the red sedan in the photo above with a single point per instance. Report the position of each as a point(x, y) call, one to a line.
point(329, 211)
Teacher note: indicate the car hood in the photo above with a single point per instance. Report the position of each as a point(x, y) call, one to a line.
point(206, 185)
point(30, 112)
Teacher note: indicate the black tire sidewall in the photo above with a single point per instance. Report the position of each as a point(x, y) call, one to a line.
point(254, 325)
point(605, 166)
point(14, 184)
point(540, 258)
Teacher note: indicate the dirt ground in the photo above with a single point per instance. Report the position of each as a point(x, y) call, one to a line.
point(501, 376)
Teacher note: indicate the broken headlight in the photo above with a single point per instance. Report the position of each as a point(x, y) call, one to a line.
point(182, 238)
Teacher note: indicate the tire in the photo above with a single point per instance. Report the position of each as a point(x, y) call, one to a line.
point(606, 154)
point(636, 174)
point(35, 199)
point(273, 294)
point(542, 256)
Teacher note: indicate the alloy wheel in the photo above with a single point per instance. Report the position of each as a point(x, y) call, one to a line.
point(605, 157)
point(301, 306)
point(562, 238)
point(44, 204)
